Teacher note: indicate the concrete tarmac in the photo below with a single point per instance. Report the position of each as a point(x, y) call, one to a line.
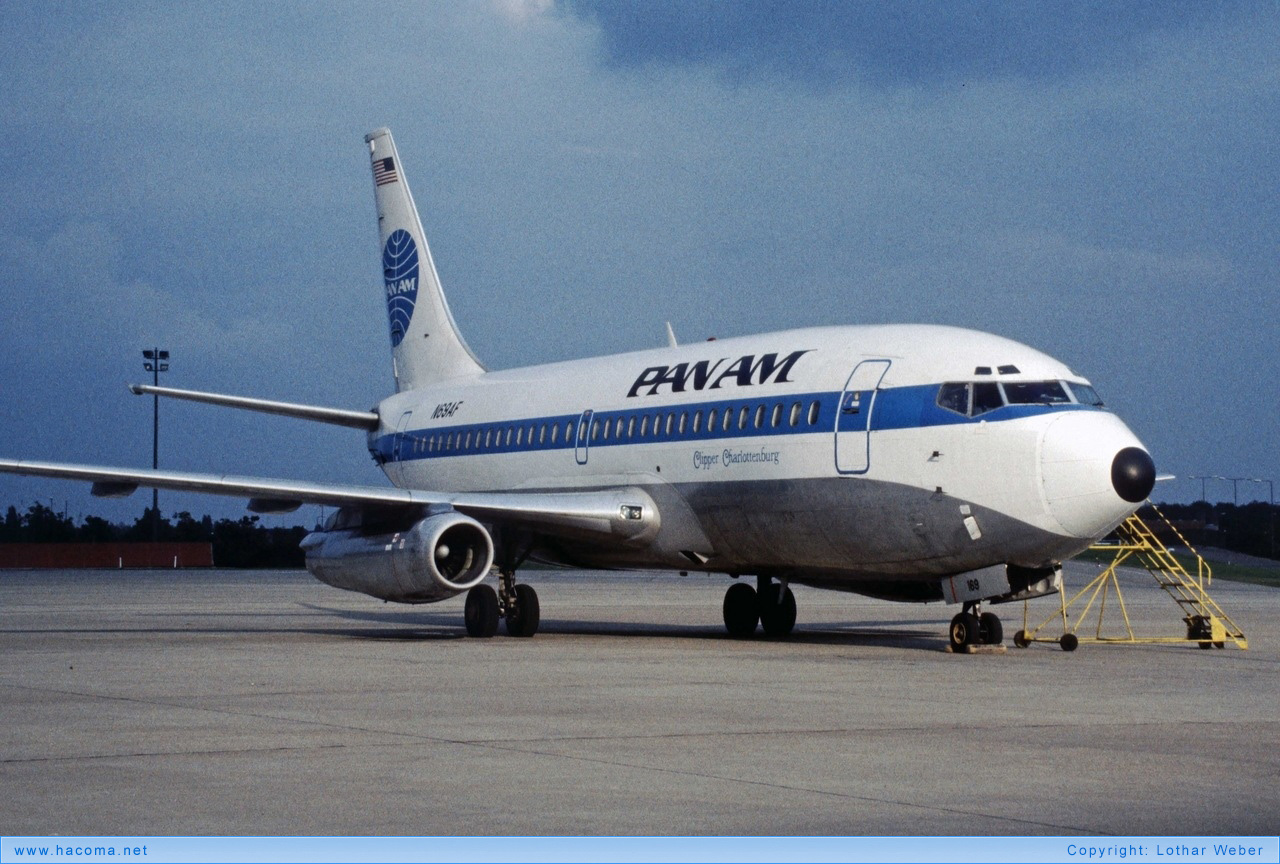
point(187, 702)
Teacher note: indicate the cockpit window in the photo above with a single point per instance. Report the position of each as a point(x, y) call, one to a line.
point(1085, 394)
point(986, 397)
point(972, 399)
point(954, 397)
point(1036, 393)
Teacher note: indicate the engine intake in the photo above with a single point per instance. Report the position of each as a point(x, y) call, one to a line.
point(435, 559)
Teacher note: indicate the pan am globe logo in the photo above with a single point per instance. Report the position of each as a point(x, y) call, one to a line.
point(400, 272)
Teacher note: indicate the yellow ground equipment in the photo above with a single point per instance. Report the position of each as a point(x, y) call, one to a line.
point(1206, 624)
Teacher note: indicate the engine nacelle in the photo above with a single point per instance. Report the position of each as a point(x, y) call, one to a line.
point(434, 559)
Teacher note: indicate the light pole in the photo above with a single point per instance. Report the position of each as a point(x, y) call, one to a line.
point(1202, 478)
point(1271, 511)
point(156, 361)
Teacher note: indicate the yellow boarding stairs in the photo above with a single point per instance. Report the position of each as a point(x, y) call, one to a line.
point(1207, 624)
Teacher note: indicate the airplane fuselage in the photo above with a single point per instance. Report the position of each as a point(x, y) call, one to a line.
point(828, 456)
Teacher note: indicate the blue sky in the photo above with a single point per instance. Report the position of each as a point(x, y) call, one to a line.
point(1098, 180)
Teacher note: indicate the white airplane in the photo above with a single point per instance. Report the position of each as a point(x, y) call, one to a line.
point(907, 462)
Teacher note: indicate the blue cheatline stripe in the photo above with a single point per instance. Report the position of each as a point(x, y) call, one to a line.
point(895, 408)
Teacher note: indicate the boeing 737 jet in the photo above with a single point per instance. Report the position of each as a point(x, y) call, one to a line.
point(908, 462)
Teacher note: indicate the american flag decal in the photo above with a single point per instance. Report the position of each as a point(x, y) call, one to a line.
point(384, 171)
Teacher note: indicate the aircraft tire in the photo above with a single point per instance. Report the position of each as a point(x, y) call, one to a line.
point(965, 630)
point(741, 614)
point(777, 619)
point(481, 612)
point(992, 629)
point(524, 618)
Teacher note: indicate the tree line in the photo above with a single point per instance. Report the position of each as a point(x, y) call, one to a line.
point(242, 542)
point(1247, 528)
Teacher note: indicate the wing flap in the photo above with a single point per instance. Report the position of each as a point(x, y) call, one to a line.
point(113, 489)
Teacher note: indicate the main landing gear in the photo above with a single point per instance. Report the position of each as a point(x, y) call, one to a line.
point(516, 603)
point(971, 627)
point(769, 604)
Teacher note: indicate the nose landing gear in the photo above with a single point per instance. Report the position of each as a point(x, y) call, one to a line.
point(972, 627)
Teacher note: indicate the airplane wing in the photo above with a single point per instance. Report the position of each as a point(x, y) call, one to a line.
point(625, 513)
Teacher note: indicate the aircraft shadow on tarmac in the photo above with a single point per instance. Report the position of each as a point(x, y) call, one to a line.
point(423, 626)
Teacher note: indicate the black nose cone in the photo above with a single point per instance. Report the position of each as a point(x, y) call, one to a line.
point(1133, 474)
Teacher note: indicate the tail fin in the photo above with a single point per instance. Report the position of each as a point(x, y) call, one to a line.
point(425, 343)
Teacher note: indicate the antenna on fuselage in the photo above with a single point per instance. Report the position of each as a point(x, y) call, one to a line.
point(671, 336)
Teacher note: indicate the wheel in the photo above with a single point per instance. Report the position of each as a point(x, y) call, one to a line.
point(1069, 642)
point(740, 611)
point(522, 620)
point(481, 612)
point(992, 629)
point(1198, 629)
point(777, 619)
point(965, 630)
point(1020, 639)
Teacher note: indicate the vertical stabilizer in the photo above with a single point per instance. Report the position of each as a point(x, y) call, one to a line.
point(425, 343)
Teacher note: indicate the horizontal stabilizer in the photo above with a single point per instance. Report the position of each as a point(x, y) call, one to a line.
point(367, 420)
